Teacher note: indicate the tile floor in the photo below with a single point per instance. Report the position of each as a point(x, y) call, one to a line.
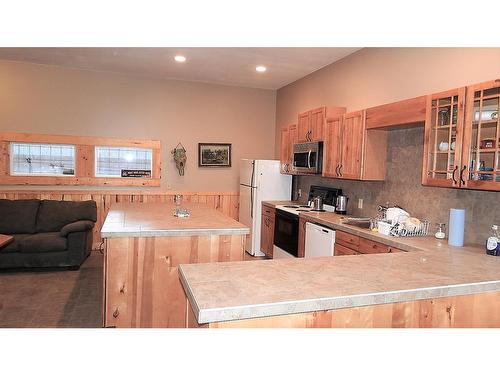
point(57, 298)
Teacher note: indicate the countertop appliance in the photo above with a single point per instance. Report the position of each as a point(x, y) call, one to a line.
point(308, 157)
point(260, 180)
point(320, 241)
point(286, 224)
point(317, 203)
point(341, 205)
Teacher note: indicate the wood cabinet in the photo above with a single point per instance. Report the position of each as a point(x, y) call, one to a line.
point(267, 230)
point(302, 237)
point(393, 115)
point(443, 138)
point(351, 151)
point(480, 162)
point(289, 136)
point(311, 123)
point(350, 244)
point(461, 140)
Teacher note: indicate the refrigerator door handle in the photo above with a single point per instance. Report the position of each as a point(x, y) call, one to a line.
point(251, 189)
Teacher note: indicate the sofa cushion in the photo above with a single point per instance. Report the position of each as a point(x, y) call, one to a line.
point(53, 215)
point(42, 243)
point(18, 216)
point(13, 247)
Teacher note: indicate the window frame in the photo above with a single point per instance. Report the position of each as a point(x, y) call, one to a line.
point(85, 162)
point(11, 145)
point(118, 147)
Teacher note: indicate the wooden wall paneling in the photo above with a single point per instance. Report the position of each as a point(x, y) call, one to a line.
point(467, 311)
point(142, 283)
point(227, 203)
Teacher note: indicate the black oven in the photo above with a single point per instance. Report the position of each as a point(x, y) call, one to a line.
point(286, 232)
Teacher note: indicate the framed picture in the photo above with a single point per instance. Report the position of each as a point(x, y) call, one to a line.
point(214, 154)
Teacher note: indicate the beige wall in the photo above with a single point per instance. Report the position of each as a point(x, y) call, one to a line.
point(54, 100)
point(374, 76)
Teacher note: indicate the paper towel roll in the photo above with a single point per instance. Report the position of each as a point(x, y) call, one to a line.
point(457, 224)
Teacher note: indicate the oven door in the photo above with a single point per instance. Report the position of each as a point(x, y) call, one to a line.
point(286, 232)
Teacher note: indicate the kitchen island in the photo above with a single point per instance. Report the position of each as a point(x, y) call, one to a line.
point(144, 245)
point(429, 284)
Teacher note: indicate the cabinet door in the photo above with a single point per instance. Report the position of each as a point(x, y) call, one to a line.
point(480, 167)
point(332, 147)
point(443, 138)
point(303, 127)
point(342, 250)
point(293, 135)
point(353, 129)
point(265, 235)
point(302, 237)
point(317, 124)
point(285, 149)
point(372, 247)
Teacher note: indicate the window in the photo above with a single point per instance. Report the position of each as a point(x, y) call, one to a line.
point(42, 159)
point(123, 162)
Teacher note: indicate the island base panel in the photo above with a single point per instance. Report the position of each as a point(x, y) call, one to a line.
point(142, 286)
point(466, 311)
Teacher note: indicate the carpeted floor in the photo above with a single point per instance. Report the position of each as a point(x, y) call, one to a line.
point(57, 298)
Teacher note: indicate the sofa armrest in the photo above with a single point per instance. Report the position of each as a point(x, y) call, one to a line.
point(77, 226)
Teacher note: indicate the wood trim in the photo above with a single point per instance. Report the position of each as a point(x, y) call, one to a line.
point(225, 202)
point(394, 115)
point(78, 140)
point(467, 311)
point(84, 163)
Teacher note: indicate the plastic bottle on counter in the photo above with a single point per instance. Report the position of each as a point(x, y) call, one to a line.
point(493, 242)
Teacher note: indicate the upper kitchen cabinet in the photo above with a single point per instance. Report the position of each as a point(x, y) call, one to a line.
point(462, 134)
point(351, 151)
point(444, 127)
point(288, 139)
point(311, 123)
point(392, 115)
point(480, 168)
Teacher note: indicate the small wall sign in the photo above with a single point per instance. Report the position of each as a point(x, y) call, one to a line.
point(138, 173)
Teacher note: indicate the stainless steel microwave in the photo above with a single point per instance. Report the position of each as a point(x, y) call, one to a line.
point(308, 157)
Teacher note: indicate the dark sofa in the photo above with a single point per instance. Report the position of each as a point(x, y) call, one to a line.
point(47, 233)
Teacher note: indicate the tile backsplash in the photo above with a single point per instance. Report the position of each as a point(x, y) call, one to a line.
point(403, 187)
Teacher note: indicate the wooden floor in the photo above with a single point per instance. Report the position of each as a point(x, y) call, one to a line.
point(50, 299)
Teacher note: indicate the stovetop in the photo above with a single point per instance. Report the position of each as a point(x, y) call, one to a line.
point(296, 209)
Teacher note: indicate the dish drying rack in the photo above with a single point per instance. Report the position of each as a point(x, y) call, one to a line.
point(400, 230)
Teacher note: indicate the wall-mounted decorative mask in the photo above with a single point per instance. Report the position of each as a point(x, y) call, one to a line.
point(179, 153)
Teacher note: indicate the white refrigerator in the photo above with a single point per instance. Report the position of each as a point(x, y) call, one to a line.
point(260, 180)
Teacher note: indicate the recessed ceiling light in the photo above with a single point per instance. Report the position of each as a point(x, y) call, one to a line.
point(261, 68)
point(179, 58)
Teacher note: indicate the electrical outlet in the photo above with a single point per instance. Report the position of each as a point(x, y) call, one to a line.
point(299, 193)
point(360, 203)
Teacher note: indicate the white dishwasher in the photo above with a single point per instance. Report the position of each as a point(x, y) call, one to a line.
point(319, 241)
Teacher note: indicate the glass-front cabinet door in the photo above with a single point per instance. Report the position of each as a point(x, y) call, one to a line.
point(481, 151)
point(443, 138)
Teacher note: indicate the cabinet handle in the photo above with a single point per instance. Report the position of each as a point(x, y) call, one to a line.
point(462, 181)
point(340, 170)
point(337, 170)
point(453, 175)
point(116, 313)
point(122, 289)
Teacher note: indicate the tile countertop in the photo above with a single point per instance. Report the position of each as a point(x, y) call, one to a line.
point(429, 269)
point(157, 220)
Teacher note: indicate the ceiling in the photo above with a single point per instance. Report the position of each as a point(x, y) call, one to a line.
point(228, 66)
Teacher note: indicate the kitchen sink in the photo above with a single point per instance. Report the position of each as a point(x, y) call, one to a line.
point(361, 222)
